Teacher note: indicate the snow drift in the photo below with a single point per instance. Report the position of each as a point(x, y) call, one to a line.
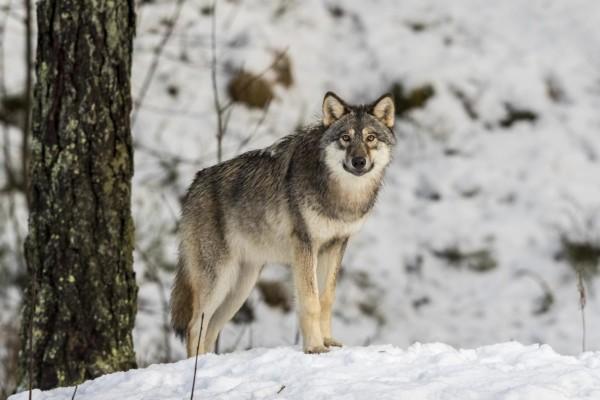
point(423, 371)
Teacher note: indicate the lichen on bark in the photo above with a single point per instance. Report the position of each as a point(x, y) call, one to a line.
point(80, 304)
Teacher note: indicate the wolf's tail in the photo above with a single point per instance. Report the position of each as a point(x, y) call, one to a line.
point(181, 302)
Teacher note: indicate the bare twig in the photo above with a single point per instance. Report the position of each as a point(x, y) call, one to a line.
point(250, 337)
point(28, 98)
point(226, 118)
point(223, 111)
point(155, 61)
point(16, 15)
point(8, 170)
point(74, 392)
point(153, 276)
point(171, 211)
point(213, 75)
point(10, 359)
point(172, 111)
point(244, 142)
point(176, 58)
point(31, 316)
point(196, 361)
point(582, 303)
point(238, 339)
point(166, 156)
point(12, 212)
point(12, 182)
point(6, 148)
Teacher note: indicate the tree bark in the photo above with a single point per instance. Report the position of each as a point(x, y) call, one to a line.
point(80, 304)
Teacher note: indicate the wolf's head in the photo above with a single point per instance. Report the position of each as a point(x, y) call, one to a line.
point(358, 139)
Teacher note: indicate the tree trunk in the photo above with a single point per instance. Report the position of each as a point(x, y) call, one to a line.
point(80, 303)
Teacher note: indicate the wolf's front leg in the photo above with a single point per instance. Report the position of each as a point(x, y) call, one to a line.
point(330, 259)
point(305, 280)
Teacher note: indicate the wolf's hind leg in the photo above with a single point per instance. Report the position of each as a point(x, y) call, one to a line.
point(330, 259)
point(238, 293)
point(207, 302)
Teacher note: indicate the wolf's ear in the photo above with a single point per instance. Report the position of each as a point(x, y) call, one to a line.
point(383, 109)
point(334, 108)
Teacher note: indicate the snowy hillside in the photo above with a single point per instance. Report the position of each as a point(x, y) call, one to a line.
point(496, 177)
point(423, 371)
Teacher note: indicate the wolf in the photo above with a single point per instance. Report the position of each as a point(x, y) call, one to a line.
point(295, 202)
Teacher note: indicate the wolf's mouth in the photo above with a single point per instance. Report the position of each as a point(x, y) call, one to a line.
point(355, 172)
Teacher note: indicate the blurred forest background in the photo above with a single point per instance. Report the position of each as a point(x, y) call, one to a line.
point(488, 228)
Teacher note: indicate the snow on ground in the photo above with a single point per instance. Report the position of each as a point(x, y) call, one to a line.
point(508, 371)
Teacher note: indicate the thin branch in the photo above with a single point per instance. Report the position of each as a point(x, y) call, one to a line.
point(165, 303)
point(155, 61)
point(262, 119)
point(173, 56)
point(74, 392)
point(16, 15)
point(223, 112)
point(196, 362)
point(215, 86)
point(227, 117)
point(12, 212)
point(198, 40)
point(32, 312)
point(250, 337)
point(173, 111)
point(238, 339)
point(28, 98)
point(10, 175)
point(171, 211)
point(582, 303)
point(11, 181)
point(139, 13)
point(165, 156)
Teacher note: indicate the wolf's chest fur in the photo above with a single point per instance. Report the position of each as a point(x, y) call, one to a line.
point(342, 209)
point(323, 228)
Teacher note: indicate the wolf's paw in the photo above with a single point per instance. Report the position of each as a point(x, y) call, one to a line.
point(331, 342)
point(316, 350)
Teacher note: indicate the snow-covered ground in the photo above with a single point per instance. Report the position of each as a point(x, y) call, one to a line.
point(507, 371)
point(467, 244)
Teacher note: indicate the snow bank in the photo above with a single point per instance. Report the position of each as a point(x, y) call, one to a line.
point(423, 371)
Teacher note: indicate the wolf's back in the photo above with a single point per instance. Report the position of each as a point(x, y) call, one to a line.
point(249, 181)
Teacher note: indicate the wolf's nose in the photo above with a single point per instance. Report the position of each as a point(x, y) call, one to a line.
point(359, 162)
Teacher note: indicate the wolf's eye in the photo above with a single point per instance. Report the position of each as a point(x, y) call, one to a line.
point(346, 138)
point(370, 138)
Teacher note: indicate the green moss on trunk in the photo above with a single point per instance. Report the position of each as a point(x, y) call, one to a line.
point(80, 304)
